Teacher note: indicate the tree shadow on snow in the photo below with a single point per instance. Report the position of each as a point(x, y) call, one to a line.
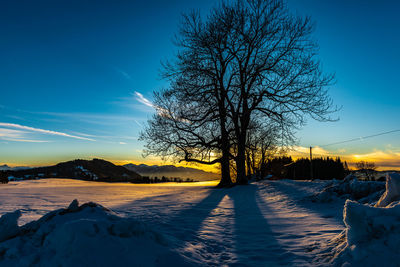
point(149, 209)
point(255, 242)
point(187, 222)
point(242, 235)
point(330, 211)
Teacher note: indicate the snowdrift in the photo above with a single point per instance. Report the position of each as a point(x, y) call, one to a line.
point(86, 235)
point(350, 188)
point(372, 234)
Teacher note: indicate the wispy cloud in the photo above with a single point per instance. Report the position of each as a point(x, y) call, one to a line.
point(161, 111)
point(138, 123)
point(43, 131)
point(17, 136)
point(71, 117)
point(143, 100)
point(26, 140)
point(123, 73)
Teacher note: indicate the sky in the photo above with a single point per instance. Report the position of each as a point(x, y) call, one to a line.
point(76, 77)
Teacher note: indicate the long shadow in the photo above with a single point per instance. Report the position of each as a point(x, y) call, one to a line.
point(142, 202)
point(151, 209)
point(186, 223)
point(251, 241)
point(183, 225)
point(182, 220)
point(255, 242)
point(328, 211)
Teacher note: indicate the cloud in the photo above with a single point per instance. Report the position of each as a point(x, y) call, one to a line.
point(17, 136)
point(138, 123)
point(126, 75)
point(143, 100)
point(43, 131)
point(300, 151)
point(10, 132)
point(26, 140)
point(123, 73)
point(21, 132)
point(384, 160)
point(104, 119)
point(122, 143)
point(380, 158)
point(160, 111)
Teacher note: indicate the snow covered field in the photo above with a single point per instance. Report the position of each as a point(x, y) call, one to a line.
point(268, 223)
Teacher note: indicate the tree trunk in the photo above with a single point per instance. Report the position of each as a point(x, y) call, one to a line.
point(248, 163)
point(225, 149)
point(241, 161)
point(225, 171)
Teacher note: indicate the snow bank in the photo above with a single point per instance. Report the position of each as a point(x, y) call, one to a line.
point(392, 192)
point(372, 235)
point(86, 235)
point(350, 188)
point(8, 225)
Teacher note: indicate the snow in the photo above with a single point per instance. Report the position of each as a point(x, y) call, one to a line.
point(86, 235)
point(392, 192)
point(372, 234)
point(266, 223)
point(350, 188)
point(8, 225)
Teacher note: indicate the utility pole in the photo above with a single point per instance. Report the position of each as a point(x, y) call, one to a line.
point(311, 165)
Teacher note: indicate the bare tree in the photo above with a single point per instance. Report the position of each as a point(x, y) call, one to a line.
point(185, 130)
point(263, 143)
point(249, 61)
point(367, 168)
point(273, 70)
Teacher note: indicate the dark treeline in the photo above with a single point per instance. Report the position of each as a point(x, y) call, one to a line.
point(299, 169)
point(3, 177)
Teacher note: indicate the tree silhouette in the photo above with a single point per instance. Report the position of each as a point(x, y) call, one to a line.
point(367, 168)
point(249, 62)
point(3, 177)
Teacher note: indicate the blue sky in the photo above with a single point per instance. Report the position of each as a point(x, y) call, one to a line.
point(77, 74)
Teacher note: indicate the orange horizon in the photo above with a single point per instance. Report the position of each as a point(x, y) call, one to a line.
point(384, 164)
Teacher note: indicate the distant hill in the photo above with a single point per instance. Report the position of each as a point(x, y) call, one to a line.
point(172, 171)
point(93, 170)
point(5, 167)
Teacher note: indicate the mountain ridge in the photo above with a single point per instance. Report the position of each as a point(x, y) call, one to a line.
point(5, 167)
point(92, 170)
point(171, 171)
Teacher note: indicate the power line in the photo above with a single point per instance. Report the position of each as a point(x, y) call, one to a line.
point(347, 141)
point(360, 138)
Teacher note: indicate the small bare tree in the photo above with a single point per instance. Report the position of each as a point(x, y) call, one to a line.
point(367, 168)
point(262, 143)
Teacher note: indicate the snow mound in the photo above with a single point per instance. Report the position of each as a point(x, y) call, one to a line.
point(392, 192)
point(9, 225)
point(372, 235)
point(350, 188)
point(86, 235)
